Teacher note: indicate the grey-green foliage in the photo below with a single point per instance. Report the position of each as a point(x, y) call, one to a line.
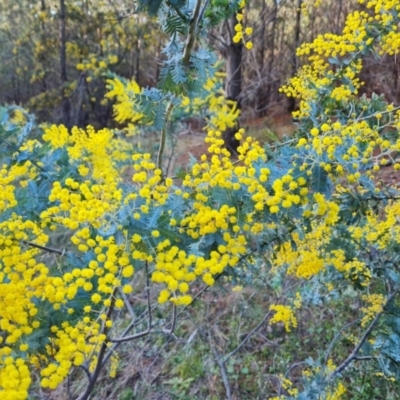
point(179, 76)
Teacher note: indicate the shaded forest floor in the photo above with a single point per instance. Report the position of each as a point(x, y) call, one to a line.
point(267, 130)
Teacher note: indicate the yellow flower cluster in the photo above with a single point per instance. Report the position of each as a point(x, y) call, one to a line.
point(96, 157)
point(319, 74)
point(14, 379)
point(19, 117)
point(363, 144)
point(17, 175)
point(380, 230)
point(354, 270)
point(337, 393)
point(93, 64)
point(308, 259)
point(223, 113)
point(22, 279)
point(240, 34)
point(151, 187)
point(286, 384)
point(172, 263)
point(376, 303)
point(7, 198)
point(285, 315)
point(21, 276)
point(125, 108)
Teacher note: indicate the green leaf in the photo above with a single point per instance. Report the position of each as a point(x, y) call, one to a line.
point(320, 183)
point(174, 25)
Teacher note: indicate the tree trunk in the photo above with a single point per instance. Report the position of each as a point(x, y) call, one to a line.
point(270, 89)
point(77, 116)
point(297, 29)
point(262, 93)
point(43, 37)
point(65, 104)
point(233, 83)
point(338, 19)
point(158, 61)
point(137, 60)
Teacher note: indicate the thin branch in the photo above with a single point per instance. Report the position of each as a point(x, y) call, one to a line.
point(248, 336)
point(203, 10)
point(364, 358)
point(45, 248)
point(148, 330)
point(354, 353)
point(85, 369)
point(379, 198)
point(128, 305)
point(223, 44)
point(221, 365)
point(93, 379)
point(69, 387)
point(335, 339)
point(163, 136)
point(172, 323)
point(131, 337)
point(192, 34)
point(224, 374)
point(178, 11)
point(130, 326)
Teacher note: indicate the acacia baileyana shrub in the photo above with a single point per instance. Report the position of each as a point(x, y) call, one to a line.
point(308, 210)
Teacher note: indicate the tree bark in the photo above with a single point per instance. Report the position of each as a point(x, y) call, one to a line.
point(233, 83)
point(137, 59)
point(297, 30)
point(262, 94)
point(65, 104)
point(264, 97)
point(43, 38)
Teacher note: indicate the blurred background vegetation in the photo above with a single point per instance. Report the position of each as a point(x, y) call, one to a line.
point(54, 54)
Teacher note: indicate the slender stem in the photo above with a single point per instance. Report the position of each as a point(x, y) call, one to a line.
point(93, 379)
point(131, 325)
point(203, 10)
point(124, 338)
point(380, 198)
point(49, 249)
point(131, 337)
point(192, 34)
point(354, 354)
point(221, 364)
point(163, 136)
point(178, 11)
point(364, 358)
point(69, 387)
point(89, 376)
point(328, 352)
point(248, 336)
point(172, 323)
point(128, 305)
